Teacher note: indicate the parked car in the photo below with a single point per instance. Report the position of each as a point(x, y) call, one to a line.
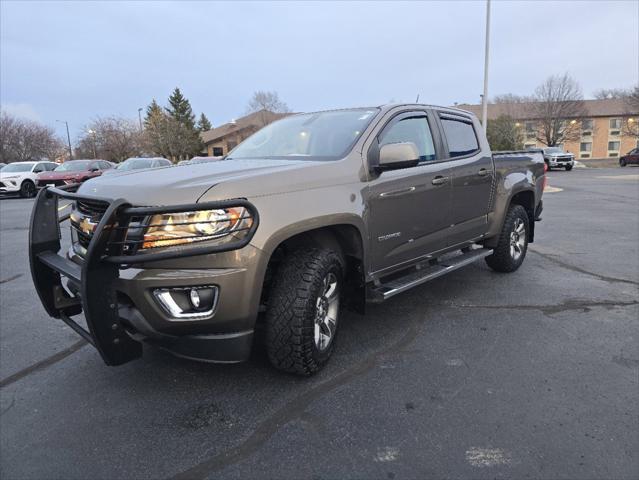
point(21, 177)
point(556, 157)
point(630, 158)
point(313, 213)
point(2, 165)
point(72, 172)
point(138, 163)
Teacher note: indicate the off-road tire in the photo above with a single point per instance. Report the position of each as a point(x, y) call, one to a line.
point(502, 260)
point(28, 189)
point(292, 307)
point(568, 167)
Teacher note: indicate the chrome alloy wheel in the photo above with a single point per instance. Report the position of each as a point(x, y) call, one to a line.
point(517, 239)
point(326, 312)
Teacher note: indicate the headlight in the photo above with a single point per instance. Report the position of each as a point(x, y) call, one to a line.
point(172, 229)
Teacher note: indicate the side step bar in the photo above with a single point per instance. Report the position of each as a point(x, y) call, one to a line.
point(422, 274)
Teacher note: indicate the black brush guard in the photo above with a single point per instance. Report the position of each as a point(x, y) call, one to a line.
point(95, 278)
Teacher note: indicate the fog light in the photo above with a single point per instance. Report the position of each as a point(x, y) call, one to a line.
point(195, 298)
point(187, 303)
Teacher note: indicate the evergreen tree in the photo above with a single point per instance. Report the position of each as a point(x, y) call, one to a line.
point(153, 113)
point(180, 109)
point(203, 124)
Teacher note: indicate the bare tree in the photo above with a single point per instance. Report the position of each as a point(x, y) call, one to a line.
point(24, 140)
point(558, 108)
point(631, 124)
point(606, 93)
point(110, 138)
point(511, 98)
point(269, 101)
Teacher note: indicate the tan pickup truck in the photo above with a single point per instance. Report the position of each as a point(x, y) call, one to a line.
point(312, 214)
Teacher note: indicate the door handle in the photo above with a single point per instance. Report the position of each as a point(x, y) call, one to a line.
point(482, 172)
point(439, 180)
point(401, 191)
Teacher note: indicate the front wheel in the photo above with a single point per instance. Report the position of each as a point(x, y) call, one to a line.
point(568, 168)
point(27, 189)
point(510, 252)
point(303, 311)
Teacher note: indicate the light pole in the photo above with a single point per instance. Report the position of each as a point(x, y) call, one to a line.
point(92, 132)
point(484, 99)
point(140, 117)
point(68, 138)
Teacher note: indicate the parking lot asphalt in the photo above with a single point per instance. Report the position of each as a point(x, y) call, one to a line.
point(473, 375)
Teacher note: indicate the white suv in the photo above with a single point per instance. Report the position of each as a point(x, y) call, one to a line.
point(21, 177)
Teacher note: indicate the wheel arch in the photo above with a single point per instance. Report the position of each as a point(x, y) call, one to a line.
point(345, 237)
point(524, 196)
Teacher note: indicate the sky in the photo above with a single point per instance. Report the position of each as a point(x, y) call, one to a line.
point(76, 61)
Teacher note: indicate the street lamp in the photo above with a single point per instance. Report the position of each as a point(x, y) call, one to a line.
point(93, 132)
point(68, 138)
point(140, 117)
point(484, 99)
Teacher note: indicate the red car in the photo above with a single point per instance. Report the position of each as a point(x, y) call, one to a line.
point(630, 158)
point(73, 171)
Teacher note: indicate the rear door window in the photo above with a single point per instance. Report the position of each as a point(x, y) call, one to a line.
point(460, 136)
point(415, 130)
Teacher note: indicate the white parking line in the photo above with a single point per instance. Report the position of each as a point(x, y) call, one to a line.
point(621, 177)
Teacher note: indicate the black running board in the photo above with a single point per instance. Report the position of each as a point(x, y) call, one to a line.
point(424, 273)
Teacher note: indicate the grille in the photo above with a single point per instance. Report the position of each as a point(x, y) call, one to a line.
point(92, 208)
point(83, 238)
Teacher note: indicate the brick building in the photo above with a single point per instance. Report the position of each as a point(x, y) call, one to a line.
point(221, 140)
point(605, 132)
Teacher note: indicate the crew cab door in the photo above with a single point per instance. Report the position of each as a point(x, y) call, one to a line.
point(409, 207)
point(472, 174)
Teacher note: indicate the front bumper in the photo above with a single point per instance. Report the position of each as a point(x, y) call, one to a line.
point(9, 186)
point(561, 162)
point(115, 290)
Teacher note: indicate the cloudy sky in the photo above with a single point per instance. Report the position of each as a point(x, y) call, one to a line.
point(79, 60)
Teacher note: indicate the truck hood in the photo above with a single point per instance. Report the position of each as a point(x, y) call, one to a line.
point(187, 183)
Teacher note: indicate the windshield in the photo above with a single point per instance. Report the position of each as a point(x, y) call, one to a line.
point(135, 164)
point(316, 136)
point(74, 166)
point(17, 167)
point(554, 150)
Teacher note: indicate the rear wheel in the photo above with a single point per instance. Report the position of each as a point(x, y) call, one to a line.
point(622, 163)
point(513, 241)
point(303, 311)
point(27, 189)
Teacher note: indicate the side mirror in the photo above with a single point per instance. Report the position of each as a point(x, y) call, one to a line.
point(393, 156)
point(94, 169)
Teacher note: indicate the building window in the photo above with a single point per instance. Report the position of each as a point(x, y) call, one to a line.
point(615, 123)
point(218, 151)
point(585, 147)
point(530, 129)
point(586, 124)
point(613, 149)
